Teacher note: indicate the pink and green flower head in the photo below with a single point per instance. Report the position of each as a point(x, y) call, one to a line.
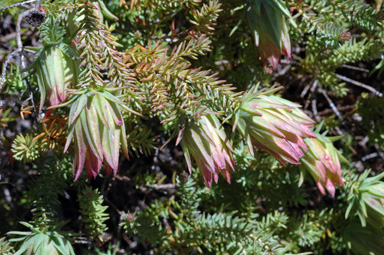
point(205, 141)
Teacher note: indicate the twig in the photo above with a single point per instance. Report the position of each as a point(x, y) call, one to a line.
point(372, 155)
point(314, 110)
point(112, 205)
point(80, 240)
point(33, 103)
point(333, 107)
point(341, 108)
point(22, 60)
point(30, 51)
point(19, 49)
point(162, 186)
point(377, 148)
point(356, 68)
point(331, 104)
point(304, 92)
point(314, 86)
point(18, 4)
point(10, 56)
point(18, 39)
point(284, 70)
point(367, 87)
point(125, 179)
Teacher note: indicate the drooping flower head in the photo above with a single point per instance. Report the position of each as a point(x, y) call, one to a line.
point(322, 161)
point(366, 199)
point(273, 124)
point(97, 126)
point(56, 65)
point(205, 141)
point(57, 69)
point(267, 20)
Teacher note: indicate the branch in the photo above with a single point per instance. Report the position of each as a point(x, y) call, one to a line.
point(356, 68)
point(19, 4)
point(22, 59)
point(18, 39)
point(332, 105)
point(379, 94)
point(337, 113)
point(372, 155)
point(5, 68)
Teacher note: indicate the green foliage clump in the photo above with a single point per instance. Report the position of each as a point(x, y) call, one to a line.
point(188, 229)
point(370, 109)
point(93, 212)
point(39, 242)
point(5, 247)
point(26, 148)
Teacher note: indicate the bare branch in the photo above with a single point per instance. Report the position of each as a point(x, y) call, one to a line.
point(332, 105)
point(372, 155)
point(22, 58)
point(10, 56)
point(367, 87)
point(18, 39)
point(356, 68)
point(18, 4)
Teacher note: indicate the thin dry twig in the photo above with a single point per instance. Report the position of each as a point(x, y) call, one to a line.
point(162, 186)
point(18, 39)
point(19, 49)
point(334, 109)
point(314, 110)
point(341, 108)
point(365, 86)
point(19, 4)
point(305, 91)
point(22, 58)
point(372, 155)
point(10, 56)
point(356, 68)
point(331, 104)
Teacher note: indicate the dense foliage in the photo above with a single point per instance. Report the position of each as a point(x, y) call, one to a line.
point(118, 117)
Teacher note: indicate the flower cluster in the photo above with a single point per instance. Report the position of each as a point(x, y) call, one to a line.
point(264, 120)
point(269, 123)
